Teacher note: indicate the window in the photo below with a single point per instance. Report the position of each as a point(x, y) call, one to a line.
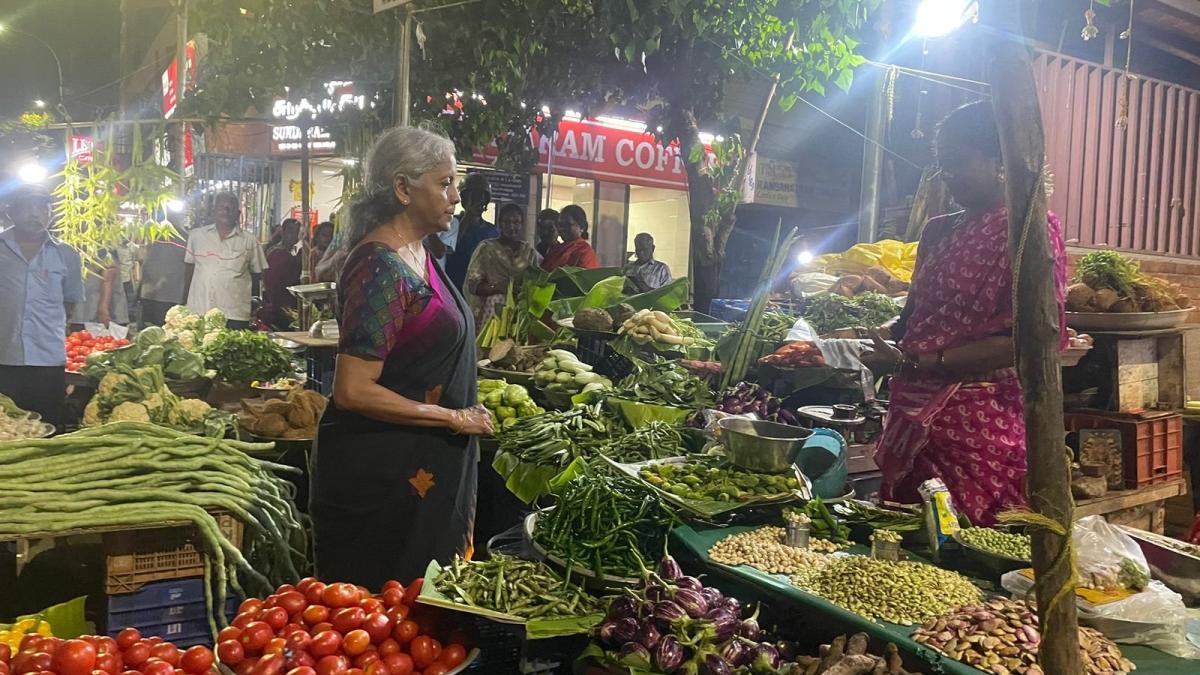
point(664, 215)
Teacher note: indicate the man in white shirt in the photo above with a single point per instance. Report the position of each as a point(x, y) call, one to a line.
point(223, 264)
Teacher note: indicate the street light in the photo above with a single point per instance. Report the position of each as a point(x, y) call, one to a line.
point(936, 18)
point(175, 205)
point(57, 62)
point(39, 103)
point(32, 173)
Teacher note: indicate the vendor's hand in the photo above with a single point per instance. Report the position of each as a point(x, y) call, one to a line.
point(475, 421)
point(881, 358)
point(102, 316)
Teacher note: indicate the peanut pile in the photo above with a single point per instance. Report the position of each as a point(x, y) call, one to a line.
point(763, 549)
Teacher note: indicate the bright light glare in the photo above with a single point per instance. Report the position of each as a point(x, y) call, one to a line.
point(175, 205)
point(39, 103)
point(804, 257)
point(32, 173)
point(936, 18)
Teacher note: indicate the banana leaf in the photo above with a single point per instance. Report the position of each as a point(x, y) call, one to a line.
point(528, 481)
point(573, 282)
point(667, 299)
point(604, 294)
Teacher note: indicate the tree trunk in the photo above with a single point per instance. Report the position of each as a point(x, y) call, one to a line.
point(708, 251)
point(1037, 332)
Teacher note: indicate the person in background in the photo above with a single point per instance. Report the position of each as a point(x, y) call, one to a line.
point(547, 231)
point(104, 295)
point(644, 271)
point(283, 270)
point(223, 264)
point(574, 251)
point(496, 263)
point(394, 468)
point(472, 228)
point(127, 252)
point(322, 237)
point(956, 410)
point(41, 279)
point(161, 287)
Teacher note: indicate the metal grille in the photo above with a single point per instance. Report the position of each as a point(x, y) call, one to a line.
point(1125, 155)
point(254, 180)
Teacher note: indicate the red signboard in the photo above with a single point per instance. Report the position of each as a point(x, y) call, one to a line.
point(82, 148)
point(297, 212)
point(170, 80)
point(590, 149)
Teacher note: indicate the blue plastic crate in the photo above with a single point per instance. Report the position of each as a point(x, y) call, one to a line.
point(163, 604)
point(159, 594)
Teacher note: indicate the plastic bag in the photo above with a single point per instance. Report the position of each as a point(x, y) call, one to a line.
point(113, 329)
point(1155, 616)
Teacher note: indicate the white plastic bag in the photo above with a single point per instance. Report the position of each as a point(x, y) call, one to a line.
point(1155, 617)
point(113, 329)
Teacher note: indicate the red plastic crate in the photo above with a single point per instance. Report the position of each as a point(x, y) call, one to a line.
point(1152, 448)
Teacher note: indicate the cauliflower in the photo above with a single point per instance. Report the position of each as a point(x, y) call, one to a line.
point(109, 384)
point(214, 319)
point(193, 322)
point(209, 339)
point(154, 405)
point(130, 412)
point(187, 340)
point(176, 315)
point(190, 413)
point(91, 414)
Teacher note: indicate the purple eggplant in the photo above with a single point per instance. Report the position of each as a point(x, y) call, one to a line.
point(656, 593)
point(669, 569)
point(635, 656)
point(607, 633)
point(668, 656)
point(712, 596)
point(725, 623)
point(732, 604)
point(738, 653)
point(624, 630)
point(765, 657)
point(787, 650)
point(669, 612)
point(692, 602)
point(713, 664)
point(648, 636)
point(750, 629)
point(622, 608)
point(689, 582)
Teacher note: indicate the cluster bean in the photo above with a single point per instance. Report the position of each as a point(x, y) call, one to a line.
point(522, 588)
point(900, 592)
point(763, 549)
point(998, 542)
point(1001, 636)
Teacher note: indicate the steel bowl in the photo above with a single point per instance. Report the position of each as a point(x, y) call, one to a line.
point(756, 445)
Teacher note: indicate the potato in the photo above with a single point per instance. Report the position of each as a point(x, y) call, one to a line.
point(1105, 298)
point(1123, 306)
point(1183, 301)
point(1079, 297)
point(271, 425)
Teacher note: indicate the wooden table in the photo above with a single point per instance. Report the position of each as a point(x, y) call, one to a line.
point(1143, 508)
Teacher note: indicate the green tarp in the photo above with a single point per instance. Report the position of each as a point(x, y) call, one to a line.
point(696, 544)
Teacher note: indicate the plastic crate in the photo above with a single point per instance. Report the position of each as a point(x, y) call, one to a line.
point(1152, 448)
point(168, 609)
point(137, 557)
point(598, 353)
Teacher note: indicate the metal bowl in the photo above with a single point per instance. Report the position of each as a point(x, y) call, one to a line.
point(756, 445)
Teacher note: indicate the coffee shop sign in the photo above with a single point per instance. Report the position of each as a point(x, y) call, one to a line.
point(340, 96)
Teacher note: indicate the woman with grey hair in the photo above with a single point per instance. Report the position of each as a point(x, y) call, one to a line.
point(395, 467)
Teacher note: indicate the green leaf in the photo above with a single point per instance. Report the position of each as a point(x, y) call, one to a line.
point(844, 79)
point(788, 101)
point(668, 298)
point(604, 294)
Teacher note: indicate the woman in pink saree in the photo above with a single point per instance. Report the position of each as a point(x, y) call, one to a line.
point(956, 411)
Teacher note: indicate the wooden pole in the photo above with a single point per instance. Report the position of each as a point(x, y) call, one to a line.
point(1036, 333)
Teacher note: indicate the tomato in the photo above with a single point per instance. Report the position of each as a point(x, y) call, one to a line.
point(250, 606)
point(304, 583)
point(106, 645)
point(166, 652)
point(5, 652)
point(157, 667)
point(370, 605)
point(127, 637)
point(4, 667)
point(298, 659)
point(75, 657)
point(377, 667)
point(32, 662)
point(302, 670)
point(272, 664)
point(399, 664)
point(109, 662)
point(340, 595)
point(392, 583)
point(313, 593)
point(389, 646)
point(286, 588)
point(397, 613)
point(392, 597)
point(405, 631)
point(255, 636)
point(332, 665)
point(299, 641)
point(365, 659)
point(355, 671)
point(321, 628)
point(438, 668)
point(413, 590)
point(424, 650)
point(348, 619)
point(229, 633)
point(51, 645)
point(243, 620)
point(153, 640)
point(356, 642)
point(137, 654)
point(315, 614)
point(293, 602)
point(325, 643)
point(378, 626)
point(196, 660)
point(453, 655)
point(275, 617)
point(275, 646)
point(247, 666)
point(231, 652)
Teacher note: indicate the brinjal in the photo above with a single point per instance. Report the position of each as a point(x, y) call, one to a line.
point(635, 656)
point(668, 656)
point(732, 604)
point(712, 596)
point(725, 623)
point(656, 593)
point(607, 633)
point(648, 636)
point(713, 664)
point(692, 602)
point(669, 569)
point(750, 629)
point(689, 582)
point(625, 629)
point(765, 657)
point(622, 608)
point(787, 650)
point(669, 612)
point(737, 652)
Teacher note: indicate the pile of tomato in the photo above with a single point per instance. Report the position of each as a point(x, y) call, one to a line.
point(128, 654)
point(336, 629)
point(82, 343)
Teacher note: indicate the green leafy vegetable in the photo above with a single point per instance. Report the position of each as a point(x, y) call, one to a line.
point(245, 356)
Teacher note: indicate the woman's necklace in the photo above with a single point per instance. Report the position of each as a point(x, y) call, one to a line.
point(408, 253)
